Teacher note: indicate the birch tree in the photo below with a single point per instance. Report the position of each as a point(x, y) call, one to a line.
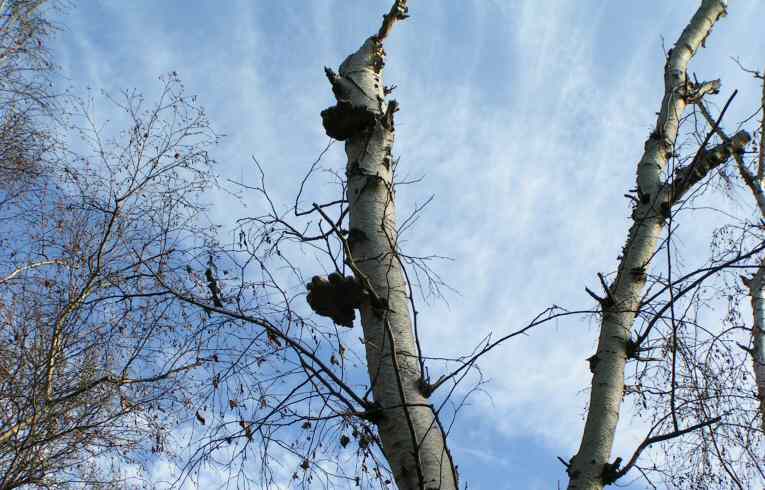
point(27, 100)
point(757, 351)
point(755, 181)
point(722, 363)
point(407, 424)
point(92, 359)
point(412, 439)
point(591, 467)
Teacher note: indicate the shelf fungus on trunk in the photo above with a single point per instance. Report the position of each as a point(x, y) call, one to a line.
point(336, 297)
point(344, 119)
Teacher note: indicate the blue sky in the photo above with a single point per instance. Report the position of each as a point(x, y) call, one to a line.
point(525, 120)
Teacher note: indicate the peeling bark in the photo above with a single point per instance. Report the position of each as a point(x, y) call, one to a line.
point(589, 468)
point(412, 439)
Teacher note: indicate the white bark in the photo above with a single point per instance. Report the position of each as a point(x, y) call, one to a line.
point(756, 284)
point(411, 437)
point(756, 287)
point(589, 467)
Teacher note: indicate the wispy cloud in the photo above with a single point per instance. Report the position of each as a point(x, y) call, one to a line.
point(525, 118)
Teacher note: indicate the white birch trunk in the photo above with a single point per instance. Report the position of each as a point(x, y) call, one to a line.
point(589, 468)
point(757, 284)
point(756, 287)
point(411, 437)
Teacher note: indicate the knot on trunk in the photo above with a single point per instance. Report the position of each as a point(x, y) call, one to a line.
point(593, 362)
point(336, 297)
